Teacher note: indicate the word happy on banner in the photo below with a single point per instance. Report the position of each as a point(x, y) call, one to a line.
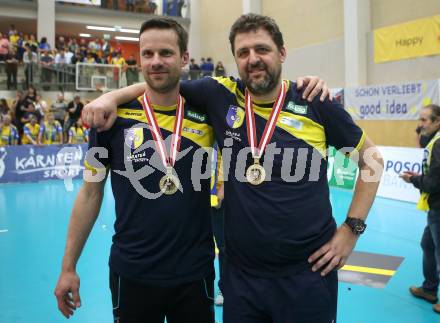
point(391, 102)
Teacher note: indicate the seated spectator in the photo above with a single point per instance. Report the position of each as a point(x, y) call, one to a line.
point(59, 109)
point(220, 69)
point(51, 131)
point(4, 108)
point(8, 132)
point(40, 105)
point(31, 131)
point(78, 134)
point(31, 94)
point(30, 109)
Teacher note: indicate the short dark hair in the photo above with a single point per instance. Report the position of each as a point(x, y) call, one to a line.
point(168, 23)
point(253, 22)
point(435, 111)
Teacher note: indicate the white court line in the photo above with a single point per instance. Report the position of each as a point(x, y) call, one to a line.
point(3, 231)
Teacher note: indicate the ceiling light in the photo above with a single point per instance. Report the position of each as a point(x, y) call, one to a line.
point(129, 31)
point(115, 28)
point(85, 35)
point(127, 38)
point(101, 28)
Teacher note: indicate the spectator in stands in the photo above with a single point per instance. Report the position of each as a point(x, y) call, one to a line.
point(118, 60)
point(32, 42)
point(83, 47)
point(12, 30)
point(4, 109)
point(90, 59)
point(18, 108)
point(8, 132)
point(207, 67)
point(51, 131)
point(30, 109)
point(31, 94)
point(132, 72)
point(4, 47)
point(74, 110)
point(46, 63)
point(220, 69)
point(78, 134)
point(44, 45)
point(59, 108)
point(30, 60)
point(31, 131)
point(72, 45)
point(11, 69)
point(194, 70)
point(129, 5)
point(13, 39)
point(60, 65)
point(40, 106)
point(61, 43)
point(77, 58)
point(106, 48)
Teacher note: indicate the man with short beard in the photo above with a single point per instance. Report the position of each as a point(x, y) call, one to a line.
point(272, 226)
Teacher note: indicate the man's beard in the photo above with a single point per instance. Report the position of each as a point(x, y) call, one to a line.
point(265, 85)
point(164, 86)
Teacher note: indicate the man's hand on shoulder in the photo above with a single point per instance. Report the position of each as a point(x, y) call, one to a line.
point(313, 86)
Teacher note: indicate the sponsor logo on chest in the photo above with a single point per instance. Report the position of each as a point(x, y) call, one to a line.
point(295, 108)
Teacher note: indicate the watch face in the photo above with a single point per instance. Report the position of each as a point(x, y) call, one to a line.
point(359, 228)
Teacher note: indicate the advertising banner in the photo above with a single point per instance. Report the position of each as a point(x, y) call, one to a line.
point(341, 170)
point(391, 102)
point(408, 40)
point(396, 161)
point(29, 163)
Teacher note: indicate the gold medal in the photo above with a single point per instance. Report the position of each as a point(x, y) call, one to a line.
point(169, 183)
point(255, 174)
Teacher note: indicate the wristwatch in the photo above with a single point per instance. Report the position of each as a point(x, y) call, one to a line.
point(357, 226)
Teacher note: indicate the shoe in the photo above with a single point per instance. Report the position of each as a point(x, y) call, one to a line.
point(436, 308)
point(428, 296)
point(219, 299)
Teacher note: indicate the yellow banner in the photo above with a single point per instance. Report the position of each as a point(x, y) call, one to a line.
point(412, 39)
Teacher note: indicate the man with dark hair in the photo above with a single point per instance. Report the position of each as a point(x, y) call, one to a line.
point(429, 184)
point(161, 260)
point(273, 227)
